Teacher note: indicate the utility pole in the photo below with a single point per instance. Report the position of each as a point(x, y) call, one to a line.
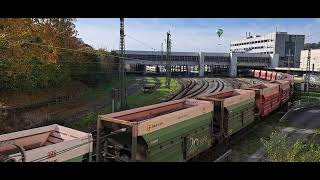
point(122, 73)
point(161, 51)
point(161, 58)
point(289, 58)
point(168, 61)
point(308, 71)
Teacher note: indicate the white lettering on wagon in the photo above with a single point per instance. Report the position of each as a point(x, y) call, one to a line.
point(196, 142)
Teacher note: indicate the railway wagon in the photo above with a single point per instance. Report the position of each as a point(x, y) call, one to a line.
point(267, 97)
point(284, 90)
point(288, 77)
point(233, 110)
point(273, 76)
point(269, 75)
point(279, 76)
point(256, 74)
point(173, 131)
point(52, 143)
point(263, 74)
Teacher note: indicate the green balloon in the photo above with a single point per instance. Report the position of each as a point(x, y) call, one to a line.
point(219, 32)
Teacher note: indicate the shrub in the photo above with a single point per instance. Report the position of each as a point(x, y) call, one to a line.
point(279, 149)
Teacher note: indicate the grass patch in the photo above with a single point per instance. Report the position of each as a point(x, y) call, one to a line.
point(142, 99)
point(311, 94)
point(136, 100)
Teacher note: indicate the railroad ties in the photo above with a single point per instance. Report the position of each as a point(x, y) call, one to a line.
point(192, 88)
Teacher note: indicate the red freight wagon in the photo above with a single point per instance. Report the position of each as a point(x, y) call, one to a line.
point(267, 97)
point(263, 74)
point(288, 77)
point(269, 75)
point(257, 73)
point(273, 76)
point(279, 76)
point(284, 90)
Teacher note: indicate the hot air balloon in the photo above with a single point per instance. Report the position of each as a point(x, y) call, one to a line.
point(219, 32)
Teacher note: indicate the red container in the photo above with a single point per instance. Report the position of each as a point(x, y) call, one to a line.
point(263, 74)
point(284, 90)
point(257, 73)
point(267, 97)
point(269, 75)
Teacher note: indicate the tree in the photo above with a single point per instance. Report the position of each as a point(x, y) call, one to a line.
point(36, 52)
point(312, 45)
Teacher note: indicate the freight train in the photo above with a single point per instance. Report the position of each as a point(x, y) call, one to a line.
point(174, 131)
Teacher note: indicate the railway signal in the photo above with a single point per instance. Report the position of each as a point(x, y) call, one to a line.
point(168, 61)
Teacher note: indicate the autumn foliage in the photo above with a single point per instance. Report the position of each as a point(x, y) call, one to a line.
point(45, 52)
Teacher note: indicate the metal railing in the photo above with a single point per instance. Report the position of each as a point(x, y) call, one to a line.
point(300, 104)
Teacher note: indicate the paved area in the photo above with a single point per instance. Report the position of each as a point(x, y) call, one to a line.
point(308, 118)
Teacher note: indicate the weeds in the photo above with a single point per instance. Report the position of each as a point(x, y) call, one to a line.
point(280, 149)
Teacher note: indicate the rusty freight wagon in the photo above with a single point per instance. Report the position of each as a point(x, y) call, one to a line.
point(269, 75)
point(233, 110)
point(52, 143)
point(256, 74)
point(284, 90)
point(267, 97)
point(263, 74)
point(171, 131)
point(274, 76)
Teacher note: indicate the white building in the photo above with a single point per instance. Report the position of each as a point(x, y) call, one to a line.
point(281, 43)
point(314, 59)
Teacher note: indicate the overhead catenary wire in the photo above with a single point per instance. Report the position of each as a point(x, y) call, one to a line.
point(143, 43)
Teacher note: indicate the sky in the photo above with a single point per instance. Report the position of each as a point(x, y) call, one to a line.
point(188, 34)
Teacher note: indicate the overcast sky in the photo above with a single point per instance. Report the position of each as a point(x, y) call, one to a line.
point(188, 34)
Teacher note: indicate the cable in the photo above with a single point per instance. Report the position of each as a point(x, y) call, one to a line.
point(141, 42)
point(312, 34)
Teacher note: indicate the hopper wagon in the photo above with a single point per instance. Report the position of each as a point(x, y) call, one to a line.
point(256, 73)
point(269, 75)
point(263, 74)
point(274, 76)
point(284, 90)
point(173, 131)
point(52, 143)
point(233, 110)
point(267, 98)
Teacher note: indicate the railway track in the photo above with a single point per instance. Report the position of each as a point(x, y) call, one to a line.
point(186, 85)
point(220, 86)
point(192, 88)
point(202, 88)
